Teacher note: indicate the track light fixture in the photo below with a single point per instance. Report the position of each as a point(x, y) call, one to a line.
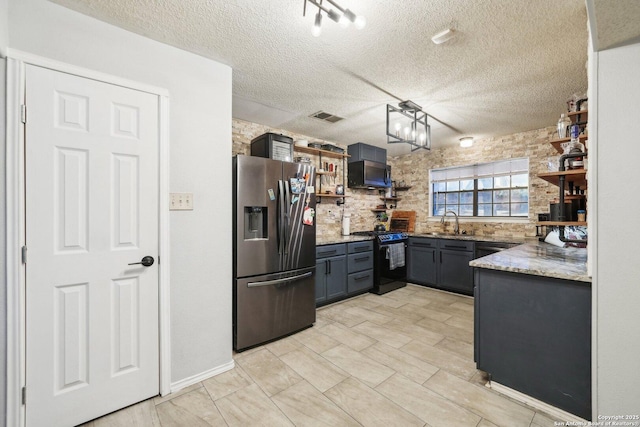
point(408, 124)
point(343, 16)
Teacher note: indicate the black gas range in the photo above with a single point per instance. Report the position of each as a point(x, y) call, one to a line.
point(389, 264)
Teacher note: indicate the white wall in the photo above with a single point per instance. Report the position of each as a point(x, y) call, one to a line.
point(617, 260)
point(3, 237)
point(4, 27)
point(200, 135)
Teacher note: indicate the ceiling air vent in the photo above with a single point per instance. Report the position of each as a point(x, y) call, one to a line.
point(326, 117)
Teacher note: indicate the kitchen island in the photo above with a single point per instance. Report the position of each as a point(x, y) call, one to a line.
point(533, 323)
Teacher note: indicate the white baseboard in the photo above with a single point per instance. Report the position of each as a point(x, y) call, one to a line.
point(554, 412)
point(186, 382)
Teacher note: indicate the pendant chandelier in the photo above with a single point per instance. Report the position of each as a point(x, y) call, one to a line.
point(407, 124)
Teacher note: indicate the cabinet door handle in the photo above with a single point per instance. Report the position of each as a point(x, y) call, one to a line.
point(422, 245)
point(440, 257)
point(362, 258)
point(434, 256)
point(327, 253)
point(357, 279)
point(455, 247)
point(328, 266)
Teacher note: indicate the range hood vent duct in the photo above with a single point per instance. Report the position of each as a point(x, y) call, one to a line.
point(331, 118)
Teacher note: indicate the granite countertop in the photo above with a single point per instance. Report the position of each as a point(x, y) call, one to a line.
point(539, 259)
point(330, 240)
point(475, 238)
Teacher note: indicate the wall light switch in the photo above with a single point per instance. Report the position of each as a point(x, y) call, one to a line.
point(181, 201)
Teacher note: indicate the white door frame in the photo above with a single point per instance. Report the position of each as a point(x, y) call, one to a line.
point(15, 217)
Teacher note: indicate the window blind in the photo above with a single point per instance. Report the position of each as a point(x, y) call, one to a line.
point(480, 170)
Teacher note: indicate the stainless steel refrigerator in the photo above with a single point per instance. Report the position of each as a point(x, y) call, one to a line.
point(274, 249)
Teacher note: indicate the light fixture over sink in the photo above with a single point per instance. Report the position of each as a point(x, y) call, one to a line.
point(408, 124)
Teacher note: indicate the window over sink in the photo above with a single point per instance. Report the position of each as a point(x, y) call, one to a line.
point(494, 189)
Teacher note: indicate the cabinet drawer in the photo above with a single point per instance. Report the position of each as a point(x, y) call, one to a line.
point(356, 247)
point(456, 245)
point(423, 242)
point(325, 251)
point(359, 262)
point(360, 281)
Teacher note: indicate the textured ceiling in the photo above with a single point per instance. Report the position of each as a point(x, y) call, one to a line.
point(511, 67)
point(616, 22)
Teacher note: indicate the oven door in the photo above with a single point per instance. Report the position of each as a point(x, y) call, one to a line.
point(387, 275)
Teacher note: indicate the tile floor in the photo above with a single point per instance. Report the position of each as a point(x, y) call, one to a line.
point(400, 359)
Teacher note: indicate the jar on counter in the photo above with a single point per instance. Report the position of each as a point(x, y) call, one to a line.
point(582, 215)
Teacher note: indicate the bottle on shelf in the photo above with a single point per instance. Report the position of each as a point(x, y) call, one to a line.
point(573, 147)
point(563, 123)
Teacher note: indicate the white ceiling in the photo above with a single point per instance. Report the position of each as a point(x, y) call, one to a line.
point(616, 22)
point(511, 67)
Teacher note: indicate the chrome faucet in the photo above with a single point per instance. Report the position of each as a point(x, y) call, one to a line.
point(456, 228)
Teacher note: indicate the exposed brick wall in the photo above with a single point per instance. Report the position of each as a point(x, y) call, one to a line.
point(413, 169)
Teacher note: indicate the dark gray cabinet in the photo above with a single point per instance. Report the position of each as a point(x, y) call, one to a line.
point(454, 272)
point(362, 151)
point(421, 260)
point(343, 270)
point(533, 334)
point(443, 263)
point(331, 273)
point(359, 267)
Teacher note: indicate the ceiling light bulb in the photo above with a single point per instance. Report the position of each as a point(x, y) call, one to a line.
point(466, 142)
point(349, 15)
point(360, 22)
point(344, 21)
point(317, 26)
point(335, 16)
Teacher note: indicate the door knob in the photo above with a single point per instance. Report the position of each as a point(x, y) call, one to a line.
point(146, 261)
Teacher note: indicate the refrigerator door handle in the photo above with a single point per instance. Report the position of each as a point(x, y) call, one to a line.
point(280, 216)
point(278, 281)
point(287, 217)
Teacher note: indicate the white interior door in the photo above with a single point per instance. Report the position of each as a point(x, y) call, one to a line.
point(91, 210)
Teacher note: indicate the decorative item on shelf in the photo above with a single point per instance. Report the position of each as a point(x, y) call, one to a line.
point(329, 146)
point(382, 217)
point(408, 124)
point(343, 16)
point(466, 142)
point(575, 102)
